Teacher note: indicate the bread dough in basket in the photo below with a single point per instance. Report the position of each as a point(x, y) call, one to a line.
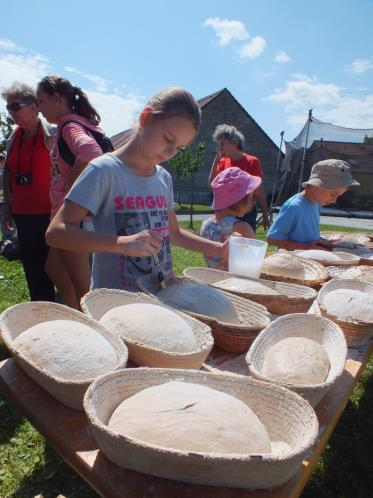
point(296, 360)
point(246, 286)
point(151, 325)
point(191, 417)
point(349, 304)
point(284, 265)
point(68, 349)
point(200, 299)
point(319, 255)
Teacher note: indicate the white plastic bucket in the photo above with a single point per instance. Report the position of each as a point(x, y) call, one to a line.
point(246, 256)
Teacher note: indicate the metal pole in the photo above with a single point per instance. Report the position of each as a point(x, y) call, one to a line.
point(191, 204)
point(275, 177)
point(304, 151)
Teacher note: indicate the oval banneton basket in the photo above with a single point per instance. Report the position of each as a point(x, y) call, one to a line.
point(97, 302)
point(315, 274)
point(357, 332)
point(287, 417)
point(231, 337)
point(20, 317)
point(347, 259)
point(347, 239)
point(362, 273)
point(314, 327)
point(292, 298)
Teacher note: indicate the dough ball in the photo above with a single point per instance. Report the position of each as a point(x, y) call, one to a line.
point(246, 286)
point(319, 255)
point(297, 360)
point(152, 326)
point(201, 299)
point(284, 265)
point(348, 303)
point(68, 349)
point(191, 417)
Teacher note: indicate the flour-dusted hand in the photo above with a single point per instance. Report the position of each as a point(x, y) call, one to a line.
point(141, 244)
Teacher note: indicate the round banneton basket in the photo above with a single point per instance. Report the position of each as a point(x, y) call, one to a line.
point(287, 417)
point(357, 332)
point(315, 274)
point(347, 239)
point(346, 259)
point(20, 317)
point(314, 327)
point(97, 302)
point(366, 258)
point(231, 337)
point(292, 298)
point(362, 273)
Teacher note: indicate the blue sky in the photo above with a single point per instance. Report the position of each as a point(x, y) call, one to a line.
point(278, 59)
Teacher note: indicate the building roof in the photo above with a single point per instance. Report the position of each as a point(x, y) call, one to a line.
point(346, 148)
point(358, 155)
point(120, 138)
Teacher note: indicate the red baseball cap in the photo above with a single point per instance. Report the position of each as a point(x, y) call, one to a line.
point(231, 185)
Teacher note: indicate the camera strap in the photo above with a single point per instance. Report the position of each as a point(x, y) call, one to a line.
point(32, 150)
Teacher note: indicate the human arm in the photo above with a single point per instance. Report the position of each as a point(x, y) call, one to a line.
point(262, 200)
point(83, 146)
point(64, 232)
point(291, 245)
point(188, 240)
point(214, 168)
point(243, 229)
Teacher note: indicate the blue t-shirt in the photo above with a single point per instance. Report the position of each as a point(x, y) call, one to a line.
point(298, 221)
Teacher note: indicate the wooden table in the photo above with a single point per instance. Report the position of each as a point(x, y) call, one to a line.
point(68, 432)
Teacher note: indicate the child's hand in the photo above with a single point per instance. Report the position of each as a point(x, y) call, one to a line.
point(321, 244)
point(140, 244)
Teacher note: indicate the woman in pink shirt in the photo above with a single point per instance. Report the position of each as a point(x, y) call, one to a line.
point(67, 106)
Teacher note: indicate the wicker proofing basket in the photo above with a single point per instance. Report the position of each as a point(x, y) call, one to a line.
point(315, 276)
point(314, 327)
point(229, 337)
point(362, 273)
point(347, 259)
point(20, 317)
point(286, 416)
point(357, 332)
point(96, 303)
point(292, 298)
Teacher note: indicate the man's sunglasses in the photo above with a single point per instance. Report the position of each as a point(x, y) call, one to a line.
point(16, 106)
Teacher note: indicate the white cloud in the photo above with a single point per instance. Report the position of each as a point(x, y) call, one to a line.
point(253, 48)
point(282, 57)
point(304, 90)
point(118, 108)
point(101, 84)
point(227, 30)
point(359, 66)
point(329, 101)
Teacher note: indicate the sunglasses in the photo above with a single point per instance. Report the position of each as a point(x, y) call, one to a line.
point(15, 106)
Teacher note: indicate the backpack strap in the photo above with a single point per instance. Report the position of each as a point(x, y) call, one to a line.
point(63, 148)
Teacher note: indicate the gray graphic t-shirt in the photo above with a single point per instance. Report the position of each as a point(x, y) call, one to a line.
point(123, 203)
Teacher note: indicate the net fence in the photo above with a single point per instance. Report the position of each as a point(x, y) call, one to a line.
point(318, 141)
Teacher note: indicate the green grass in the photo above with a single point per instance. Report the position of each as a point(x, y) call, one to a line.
point(29, 466)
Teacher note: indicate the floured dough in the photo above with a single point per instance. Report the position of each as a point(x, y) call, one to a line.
point(284, 265)
point(297, 360)
point(152, 326)
point(319, 255)
point(349, 304)
point(191, 417)
point(68, 349)
point(200, 299)
point(358, 272)
point(246, 286)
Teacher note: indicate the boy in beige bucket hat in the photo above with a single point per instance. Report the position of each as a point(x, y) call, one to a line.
point(297, 224)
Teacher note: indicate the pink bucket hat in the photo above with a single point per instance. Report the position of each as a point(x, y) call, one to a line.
point(231, 185)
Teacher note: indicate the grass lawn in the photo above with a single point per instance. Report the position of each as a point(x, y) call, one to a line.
point(28, 466)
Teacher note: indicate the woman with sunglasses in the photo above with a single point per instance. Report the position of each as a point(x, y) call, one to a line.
point(26, 186)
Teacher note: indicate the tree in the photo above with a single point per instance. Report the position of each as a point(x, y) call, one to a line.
point(368, 140)
point(6, 126)
point(188, 161)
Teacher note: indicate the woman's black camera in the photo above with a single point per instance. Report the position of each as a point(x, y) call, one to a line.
point(24, 178)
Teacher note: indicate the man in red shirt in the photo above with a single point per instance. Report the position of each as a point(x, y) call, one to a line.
point(229, 153)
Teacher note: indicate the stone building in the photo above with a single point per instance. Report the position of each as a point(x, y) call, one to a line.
point(222, 108)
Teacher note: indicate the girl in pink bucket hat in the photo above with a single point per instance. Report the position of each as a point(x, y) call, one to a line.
point(233, 191)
